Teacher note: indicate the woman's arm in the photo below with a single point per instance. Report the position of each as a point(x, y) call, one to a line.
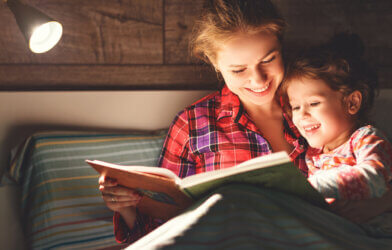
point(129, 225)
point(176, 154)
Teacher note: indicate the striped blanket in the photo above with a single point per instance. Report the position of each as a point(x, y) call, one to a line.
point(63, 209)
point(248, 217)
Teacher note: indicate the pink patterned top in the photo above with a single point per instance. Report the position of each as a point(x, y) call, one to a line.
point(358, 169)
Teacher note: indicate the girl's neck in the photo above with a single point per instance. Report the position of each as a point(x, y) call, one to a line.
point(342, 139)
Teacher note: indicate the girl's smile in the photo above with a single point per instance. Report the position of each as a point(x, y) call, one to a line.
point(320, 113)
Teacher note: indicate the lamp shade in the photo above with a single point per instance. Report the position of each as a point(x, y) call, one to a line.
point(41, 32)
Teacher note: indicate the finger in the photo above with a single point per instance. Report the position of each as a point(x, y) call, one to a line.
point(119, 205)
point(120, 191)
point(101, 179)
point(106, 181)
point(112, 198)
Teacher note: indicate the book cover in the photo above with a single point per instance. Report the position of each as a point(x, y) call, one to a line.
point(161, 197)
point(165, 195)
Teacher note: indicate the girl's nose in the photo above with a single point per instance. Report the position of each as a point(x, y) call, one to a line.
point(304, 112)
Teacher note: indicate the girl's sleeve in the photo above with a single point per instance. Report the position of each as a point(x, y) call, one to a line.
point(369, 178)
point(174, 156)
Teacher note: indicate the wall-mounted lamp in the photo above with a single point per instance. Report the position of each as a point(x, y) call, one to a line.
point(41, 32)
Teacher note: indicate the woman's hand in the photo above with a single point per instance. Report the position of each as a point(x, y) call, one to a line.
point(117, 198)
point(359, 211)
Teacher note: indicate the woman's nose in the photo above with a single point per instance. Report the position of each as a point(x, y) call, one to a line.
point(259, 77)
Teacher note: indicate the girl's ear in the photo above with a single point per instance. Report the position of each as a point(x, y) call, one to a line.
point(353, 102)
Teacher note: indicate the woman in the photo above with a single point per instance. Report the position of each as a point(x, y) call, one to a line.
point(242, 40)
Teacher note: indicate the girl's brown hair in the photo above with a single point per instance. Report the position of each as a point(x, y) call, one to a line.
point(339, 64)
point(220, 20)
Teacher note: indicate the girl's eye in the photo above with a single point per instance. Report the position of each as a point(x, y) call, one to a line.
point(238, 71)
point(269, 60)
point(294, 108)
point(314, 104)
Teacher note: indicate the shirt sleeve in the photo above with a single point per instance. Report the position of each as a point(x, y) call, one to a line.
point(368, 178)
point(143, 225)
point(174, 156)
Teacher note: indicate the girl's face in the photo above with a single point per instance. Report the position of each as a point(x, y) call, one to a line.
point(320, 113)
point(252, 67)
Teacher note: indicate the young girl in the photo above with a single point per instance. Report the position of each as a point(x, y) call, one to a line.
point(329, 92)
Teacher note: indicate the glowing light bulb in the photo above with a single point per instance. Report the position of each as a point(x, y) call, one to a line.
point(45, 36)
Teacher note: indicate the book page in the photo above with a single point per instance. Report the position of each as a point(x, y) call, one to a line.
point(163, 172)
point(161, 196)
point(255, 163)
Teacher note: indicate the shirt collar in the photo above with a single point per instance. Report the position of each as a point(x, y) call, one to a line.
point(230, 105)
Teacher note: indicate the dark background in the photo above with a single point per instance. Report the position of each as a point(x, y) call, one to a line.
point(143, 44)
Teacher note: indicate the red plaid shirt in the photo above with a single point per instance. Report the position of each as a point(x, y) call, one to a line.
point(213, 133)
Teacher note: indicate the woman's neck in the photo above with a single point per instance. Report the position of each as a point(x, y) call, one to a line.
point(271, 111)
point(268, 120)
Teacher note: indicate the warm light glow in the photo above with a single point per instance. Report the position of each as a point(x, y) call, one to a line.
point(45, 37)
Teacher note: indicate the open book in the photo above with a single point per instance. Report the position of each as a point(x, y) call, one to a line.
point(166, 195)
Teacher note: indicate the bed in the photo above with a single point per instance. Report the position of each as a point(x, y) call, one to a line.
point(28, 118)
point(108, 91)
point(51, 195)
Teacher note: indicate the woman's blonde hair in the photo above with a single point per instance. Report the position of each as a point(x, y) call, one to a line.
point(221, 20)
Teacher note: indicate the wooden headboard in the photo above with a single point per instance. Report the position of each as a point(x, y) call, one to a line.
point(142, 44)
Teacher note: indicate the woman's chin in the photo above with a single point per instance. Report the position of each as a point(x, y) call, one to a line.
point(260, 98)
point(314, 144)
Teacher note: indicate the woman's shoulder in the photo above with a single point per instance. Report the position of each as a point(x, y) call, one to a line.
point(208, 102)
point(200, 108)
point(212, 97)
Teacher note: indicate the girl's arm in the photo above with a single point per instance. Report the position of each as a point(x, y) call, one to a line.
point(362, 210)
point(367, 179)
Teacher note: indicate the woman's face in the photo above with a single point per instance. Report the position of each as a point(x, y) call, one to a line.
point(252, 67)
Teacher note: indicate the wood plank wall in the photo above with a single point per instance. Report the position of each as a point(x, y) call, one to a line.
point(143, 44)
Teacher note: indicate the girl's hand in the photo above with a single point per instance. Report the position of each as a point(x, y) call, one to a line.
point(117, 198)
point(359, 211)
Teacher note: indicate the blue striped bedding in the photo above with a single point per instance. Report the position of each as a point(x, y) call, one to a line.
point(63, 209)
point(61, 204)
point(239, 216)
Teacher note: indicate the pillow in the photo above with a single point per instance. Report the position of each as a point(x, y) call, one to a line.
point(61, 203)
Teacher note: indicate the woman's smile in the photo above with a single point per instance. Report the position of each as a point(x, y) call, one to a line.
point(258, 90)
point(252, 68)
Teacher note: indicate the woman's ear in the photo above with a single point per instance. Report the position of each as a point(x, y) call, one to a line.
point(353, 102)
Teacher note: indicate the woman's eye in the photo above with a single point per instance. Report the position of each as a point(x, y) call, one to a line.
point(314, 104)
point(269, 60)
point(238, 71)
